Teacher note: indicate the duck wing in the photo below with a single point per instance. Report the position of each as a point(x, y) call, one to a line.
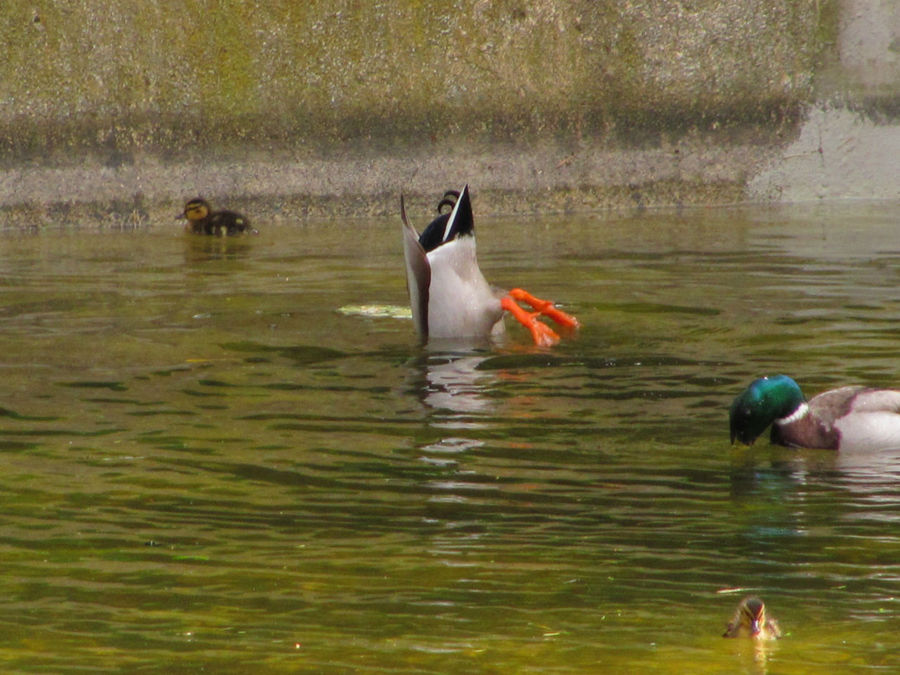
point(876, 400)
point(867, 419)
point(418, 273)
point(830, 406)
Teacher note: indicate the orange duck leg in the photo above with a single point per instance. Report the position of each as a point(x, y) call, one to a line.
point(543, 335)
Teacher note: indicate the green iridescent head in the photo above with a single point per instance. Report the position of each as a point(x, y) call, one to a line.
point(764, 401)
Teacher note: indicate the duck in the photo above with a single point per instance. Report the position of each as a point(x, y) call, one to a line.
point(448, 294)
point(847, 418)
point(203, 220)
point(750, 620)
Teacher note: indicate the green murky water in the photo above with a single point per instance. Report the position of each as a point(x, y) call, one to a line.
point(207, 466)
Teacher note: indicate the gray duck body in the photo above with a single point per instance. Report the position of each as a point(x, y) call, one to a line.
point(847, 418)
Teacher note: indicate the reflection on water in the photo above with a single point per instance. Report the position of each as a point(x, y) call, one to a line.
point(456, 390)
point(207, 465)
point(200, 249)
point(453, 393)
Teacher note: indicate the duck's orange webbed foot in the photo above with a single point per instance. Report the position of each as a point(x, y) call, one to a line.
point(543, 335)
point(545, 307)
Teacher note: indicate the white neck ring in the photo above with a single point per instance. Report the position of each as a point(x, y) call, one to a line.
point(801, 412)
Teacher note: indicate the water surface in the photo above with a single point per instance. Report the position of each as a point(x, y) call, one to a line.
point(207, 465)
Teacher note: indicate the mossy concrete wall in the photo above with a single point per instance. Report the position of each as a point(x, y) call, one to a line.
point(342, 103)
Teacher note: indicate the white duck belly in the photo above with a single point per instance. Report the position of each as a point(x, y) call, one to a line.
point(461, 303)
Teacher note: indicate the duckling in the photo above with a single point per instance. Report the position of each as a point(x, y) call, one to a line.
point(750, 620)
point(847, 418)
point(449, 296)
point(203, 220)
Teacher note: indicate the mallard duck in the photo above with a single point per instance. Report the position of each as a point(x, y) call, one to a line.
point(449, 295)
point(848, 418)
point(203, 220)
point(750, 620)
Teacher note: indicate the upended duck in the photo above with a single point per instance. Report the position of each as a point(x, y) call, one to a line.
point(203, 220)
point(848, 418)
point(751, 620)
point(449, 296)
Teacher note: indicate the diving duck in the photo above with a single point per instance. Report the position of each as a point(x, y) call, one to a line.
point(750, 620)
point(203, 220)
point(848, 418)
point(449, 295)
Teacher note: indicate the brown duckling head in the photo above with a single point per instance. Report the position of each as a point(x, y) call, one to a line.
point(196, 210)
point(750, 620)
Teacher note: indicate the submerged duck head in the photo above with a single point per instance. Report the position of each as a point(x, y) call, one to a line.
point(766, 399)
point(750, 620)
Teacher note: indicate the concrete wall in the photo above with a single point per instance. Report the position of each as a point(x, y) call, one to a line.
point(848, 144)
point(340, 104)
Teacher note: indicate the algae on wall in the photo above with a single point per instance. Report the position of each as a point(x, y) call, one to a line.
point(121, 77)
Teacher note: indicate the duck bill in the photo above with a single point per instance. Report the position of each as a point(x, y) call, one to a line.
point(741, 436)
point(755, 628)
